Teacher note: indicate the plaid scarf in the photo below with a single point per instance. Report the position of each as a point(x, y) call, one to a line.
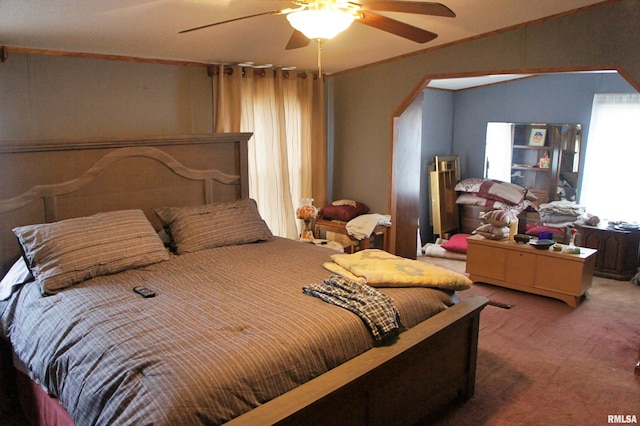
point(375, 308)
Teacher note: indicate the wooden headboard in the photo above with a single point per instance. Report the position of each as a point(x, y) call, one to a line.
point(47, 181)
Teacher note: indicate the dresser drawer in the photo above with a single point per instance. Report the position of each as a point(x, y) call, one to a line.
point(470, 217)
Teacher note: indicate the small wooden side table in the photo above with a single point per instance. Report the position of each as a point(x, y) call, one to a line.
point(340, 227)
point(617, 256)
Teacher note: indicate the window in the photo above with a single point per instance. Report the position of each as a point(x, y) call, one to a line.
point(497, 164)
point(611, 161)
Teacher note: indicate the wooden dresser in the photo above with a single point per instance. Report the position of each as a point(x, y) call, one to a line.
point(522, 267)
point(617, 250)
point(470, 217)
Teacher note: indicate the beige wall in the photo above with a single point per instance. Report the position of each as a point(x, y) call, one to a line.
point(52, 97)
point(602, 37)
point(49, 97)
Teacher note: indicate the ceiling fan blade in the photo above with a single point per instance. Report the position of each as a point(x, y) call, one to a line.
point(273, 12)
point(396, 27)
point(297, 41)
point(418, 7)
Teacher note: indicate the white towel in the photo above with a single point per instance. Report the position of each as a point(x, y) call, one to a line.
point(362, 226)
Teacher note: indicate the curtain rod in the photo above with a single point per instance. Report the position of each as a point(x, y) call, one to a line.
point(258, 72)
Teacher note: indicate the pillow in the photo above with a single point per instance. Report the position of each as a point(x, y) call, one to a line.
point(536, 230)
point(475, 200)
point(469, 185)
point(214, 225)
point(18, 274)
point(436, 250)
point(502, 191)
point(493, 189)
point(457, 243)
point(498, 217)
point(64, 253)
point(473, 185)
point(492, 232)
point(343, 210)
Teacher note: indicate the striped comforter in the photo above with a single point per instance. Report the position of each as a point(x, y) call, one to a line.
point(228, 330)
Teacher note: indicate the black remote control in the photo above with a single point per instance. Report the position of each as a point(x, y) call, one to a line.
point(144, 292)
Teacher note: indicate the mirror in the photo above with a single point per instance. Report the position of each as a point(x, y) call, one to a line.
point(542, 157)
point(569, 174)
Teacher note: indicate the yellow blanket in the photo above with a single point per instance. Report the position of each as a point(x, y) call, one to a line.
point(381, 269)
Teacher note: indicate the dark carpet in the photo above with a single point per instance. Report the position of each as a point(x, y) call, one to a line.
point(542, 362)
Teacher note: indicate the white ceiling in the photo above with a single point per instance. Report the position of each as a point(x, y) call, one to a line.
point(462, 83)
point(149, 29)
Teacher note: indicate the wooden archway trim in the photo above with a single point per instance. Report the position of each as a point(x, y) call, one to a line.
point(403, 204)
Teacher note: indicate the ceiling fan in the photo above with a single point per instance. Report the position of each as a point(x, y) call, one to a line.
point(311, 19)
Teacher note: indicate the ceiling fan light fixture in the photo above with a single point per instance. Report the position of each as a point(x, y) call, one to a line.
point(320, 24)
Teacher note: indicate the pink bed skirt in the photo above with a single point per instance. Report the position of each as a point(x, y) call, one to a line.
point(38, 407)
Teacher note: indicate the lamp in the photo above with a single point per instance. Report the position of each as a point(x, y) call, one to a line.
point(320, 23)
point(307, 212)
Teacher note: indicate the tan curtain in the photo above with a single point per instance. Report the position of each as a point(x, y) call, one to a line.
point(285, 113)
point(226, 93)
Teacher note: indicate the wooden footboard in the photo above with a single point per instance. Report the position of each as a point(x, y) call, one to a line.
point(429, 366)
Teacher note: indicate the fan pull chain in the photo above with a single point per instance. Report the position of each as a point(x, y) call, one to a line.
point(319, 41)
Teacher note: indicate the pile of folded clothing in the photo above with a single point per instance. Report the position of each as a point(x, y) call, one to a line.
point(559, 214)
point(555, 217)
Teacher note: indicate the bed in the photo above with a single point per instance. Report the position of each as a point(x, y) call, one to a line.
point(218, 343)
